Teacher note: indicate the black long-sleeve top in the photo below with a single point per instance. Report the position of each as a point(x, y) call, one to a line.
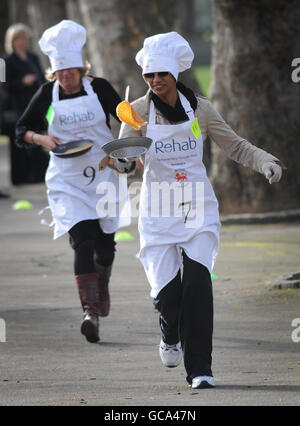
point(34, 117)
point(18, 94)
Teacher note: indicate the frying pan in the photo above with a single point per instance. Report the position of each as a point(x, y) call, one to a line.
point(73, 148)
point(127, 147)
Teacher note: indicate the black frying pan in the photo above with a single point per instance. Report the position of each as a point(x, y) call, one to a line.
point(73, 148)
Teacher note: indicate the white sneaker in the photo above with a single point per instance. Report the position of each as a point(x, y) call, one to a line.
point(202, 382)
point(171, 355)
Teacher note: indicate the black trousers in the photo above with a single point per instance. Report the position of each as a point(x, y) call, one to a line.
point(186, 314)
point(90, 243)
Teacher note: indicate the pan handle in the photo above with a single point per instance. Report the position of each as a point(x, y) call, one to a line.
point(127, 93)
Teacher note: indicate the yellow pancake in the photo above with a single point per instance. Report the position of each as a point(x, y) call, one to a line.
point(127, 114)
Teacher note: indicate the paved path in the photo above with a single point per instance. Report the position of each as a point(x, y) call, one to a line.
point(45, 360)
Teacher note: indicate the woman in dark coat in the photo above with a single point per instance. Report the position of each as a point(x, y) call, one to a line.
point(23, 77)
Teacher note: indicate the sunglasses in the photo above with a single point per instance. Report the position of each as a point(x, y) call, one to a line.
point(150, 75)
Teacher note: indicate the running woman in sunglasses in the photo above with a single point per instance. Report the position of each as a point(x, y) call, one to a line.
point(178, 123)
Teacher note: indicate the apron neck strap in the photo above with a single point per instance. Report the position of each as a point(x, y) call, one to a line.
point(86, 85)
point(55, 92)
point(185, 103)
point(187, 106)
point(152, 113)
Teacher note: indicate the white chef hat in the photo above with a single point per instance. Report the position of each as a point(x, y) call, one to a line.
point(165, 52)
point(63, 43)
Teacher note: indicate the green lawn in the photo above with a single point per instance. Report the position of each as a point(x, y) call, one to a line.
point(203, 76)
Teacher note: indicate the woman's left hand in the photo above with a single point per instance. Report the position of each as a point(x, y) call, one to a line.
point(272, 172)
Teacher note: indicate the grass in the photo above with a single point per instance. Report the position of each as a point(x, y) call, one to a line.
point(203, 75)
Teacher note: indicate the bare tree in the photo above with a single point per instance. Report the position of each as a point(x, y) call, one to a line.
point(254, 43)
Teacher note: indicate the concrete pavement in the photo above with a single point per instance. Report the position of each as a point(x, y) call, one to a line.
point(45, 360)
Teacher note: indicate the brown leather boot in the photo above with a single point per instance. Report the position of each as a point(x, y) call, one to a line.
point(103, 274)
point(88, 290)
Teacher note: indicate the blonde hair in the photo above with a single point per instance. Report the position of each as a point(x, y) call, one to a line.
point(51, 75)
point(12, 33)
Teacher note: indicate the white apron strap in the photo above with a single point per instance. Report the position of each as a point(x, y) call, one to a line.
point(86, 85)
point(152, 113)
point(55, 92)
point(187, 106)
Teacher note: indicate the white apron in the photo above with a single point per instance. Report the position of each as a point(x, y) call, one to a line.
point(175, 161)
point(72, 182)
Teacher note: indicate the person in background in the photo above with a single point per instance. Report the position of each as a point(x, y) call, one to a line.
point(23, 77)
point(81, 107)
point(178, 123)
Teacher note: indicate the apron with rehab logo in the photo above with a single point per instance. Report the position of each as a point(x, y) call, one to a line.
point(178, 207)
point(72, 182)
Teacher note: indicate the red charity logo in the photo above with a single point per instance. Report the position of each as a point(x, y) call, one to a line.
point(181, 176)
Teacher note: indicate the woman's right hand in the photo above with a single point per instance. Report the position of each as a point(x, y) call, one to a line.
point(29, 79)
point(47, 141)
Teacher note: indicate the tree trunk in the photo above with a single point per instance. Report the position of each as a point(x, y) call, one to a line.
point(74, 13)
point(187, 16)
point(18, 12)
point(42, 15)
point(254, 43)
